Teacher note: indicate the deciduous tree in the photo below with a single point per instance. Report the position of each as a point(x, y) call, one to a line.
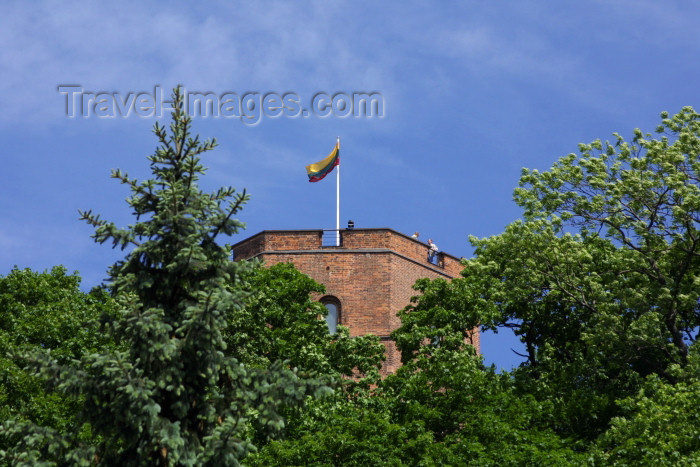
point(45, 310)
point(600, 279)
point(282, 321)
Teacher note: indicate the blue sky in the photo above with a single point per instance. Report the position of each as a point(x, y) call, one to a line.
point(472, 91)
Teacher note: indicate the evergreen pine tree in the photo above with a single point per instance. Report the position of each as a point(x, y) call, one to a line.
point(172, 395)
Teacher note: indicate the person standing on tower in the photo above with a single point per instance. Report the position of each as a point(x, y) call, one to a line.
point(432, 250)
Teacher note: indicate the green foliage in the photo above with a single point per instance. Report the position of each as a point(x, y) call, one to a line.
point(444, 314)
point(347, 434)
point(206, 357)
point(661, 427)
point(585, 348)
point(600, 280)
point(442, 407)
point(645, 197)
point(280, 321)
point(169, 394)
point(477, 417)
point(44, 311)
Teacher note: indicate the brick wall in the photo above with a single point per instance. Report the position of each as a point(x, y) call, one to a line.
point(371, 273)
point(275, 240)
point(249, 247)
point(293, 240)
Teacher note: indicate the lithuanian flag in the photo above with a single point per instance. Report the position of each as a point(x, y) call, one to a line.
point(317, 171)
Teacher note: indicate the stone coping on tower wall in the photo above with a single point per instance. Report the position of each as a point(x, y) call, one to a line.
point(369, 240)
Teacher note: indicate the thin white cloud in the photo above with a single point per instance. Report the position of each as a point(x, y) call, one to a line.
point(110, 46)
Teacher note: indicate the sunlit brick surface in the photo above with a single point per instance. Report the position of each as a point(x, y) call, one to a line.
point(371, 273)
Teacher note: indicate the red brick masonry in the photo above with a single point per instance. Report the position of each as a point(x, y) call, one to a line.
point(371, 273)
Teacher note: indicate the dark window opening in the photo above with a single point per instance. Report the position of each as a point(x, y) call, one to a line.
point(332, 304)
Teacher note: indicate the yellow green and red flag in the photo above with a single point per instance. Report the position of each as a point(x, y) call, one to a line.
point(320, 169)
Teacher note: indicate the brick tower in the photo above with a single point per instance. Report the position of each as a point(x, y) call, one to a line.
point(368, 274)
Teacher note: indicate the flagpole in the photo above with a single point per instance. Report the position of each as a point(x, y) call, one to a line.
point(337, 201)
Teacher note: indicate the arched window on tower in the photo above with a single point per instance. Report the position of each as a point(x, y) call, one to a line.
point(332, 304)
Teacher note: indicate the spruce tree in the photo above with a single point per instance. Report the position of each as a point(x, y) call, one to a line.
point(171, 395)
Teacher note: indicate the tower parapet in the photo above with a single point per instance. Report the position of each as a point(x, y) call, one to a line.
point(368, 273)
